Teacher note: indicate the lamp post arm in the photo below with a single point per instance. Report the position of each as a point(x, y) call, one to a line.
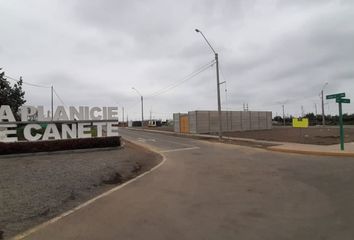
point(207, 41)
point(137, 91)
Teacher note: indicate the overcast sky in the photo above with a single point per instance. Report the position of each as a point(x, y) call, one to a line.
point(93, 52)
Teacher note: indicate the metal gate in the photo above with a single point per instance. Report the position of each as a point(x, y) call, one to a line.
point(184, 124)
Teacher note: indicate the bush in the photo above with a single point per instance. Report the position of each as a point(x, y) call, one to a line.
point(58, 145)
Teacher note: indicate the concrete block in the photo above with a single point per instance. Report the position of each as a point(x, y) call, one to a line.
point(192, 121)
point(214, 124)
point(176, 122)
point(269, 120)
point(246, 120)
point(202, 121)
point(236, 124)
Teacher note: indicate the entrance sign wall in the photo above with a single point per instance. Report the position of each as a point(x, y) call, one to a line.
point(66, 123)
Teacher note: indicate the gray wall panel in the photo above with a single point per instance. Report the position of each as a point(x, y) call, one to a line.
point(176, 122)
point(207, 121)
point(246, 121)
point(192, 121)
point(202, 121)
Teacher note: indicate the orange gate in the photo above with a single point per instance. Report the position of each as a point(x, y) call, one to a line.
point(184, 124)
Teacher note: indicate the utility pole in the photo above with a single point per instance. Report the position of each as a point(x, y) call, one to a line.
point(142, 111)
point(323, 114)
point(217, 82)
point(123, 115)
point(224, 82)
point(52, 100)
point(218, 89)
point(142, 106)
point(245, 107)
point(283, 115)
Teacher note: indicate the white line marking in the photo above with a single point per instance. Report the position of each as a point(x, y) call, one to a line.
point(179, 149)
point(53, 220)
point(146, 140)
point(162, 140)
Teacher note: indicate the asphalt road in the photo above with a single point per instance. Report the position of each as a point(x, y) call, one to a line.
point(210, 190)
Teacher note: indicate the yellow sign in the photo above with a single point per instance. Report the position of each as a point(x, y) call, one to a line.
point(300, 122)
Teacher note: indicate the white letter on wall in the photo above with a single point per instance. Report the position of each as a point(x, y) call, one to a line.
point(66, 131)
point(93, 115)
point(27, 132)
point(99, 127)
point(113, 113)
point(60, 114)
point(41, 115)
point(112, 131)
point(6, 114)
point(76, 115)
point(27, 111)
point(51, 132)
point(5, 131)
point(82, 129)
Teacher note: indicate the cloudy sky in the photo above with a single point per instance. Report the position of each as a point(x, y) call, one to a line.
point(93, 53)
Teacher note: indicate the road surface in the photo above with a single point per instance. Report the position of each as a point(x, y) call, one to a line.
point(218, 191)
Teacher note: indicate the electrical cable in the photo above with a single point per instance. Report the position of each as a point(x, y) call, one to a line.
point(27, 83)
point(186, 78)
point(57, 95)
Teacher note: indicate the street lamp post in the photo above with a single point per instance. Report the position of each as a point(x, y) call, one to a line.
point(142, 106)
point(323, 115)
point(217, 81)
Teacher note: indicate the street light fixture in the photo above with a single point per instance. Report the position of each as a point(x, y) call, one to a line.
point(217, 81)
point(142, 106)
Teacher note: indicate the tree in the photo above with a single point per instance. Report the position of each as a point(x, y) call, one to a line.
point(13, 96)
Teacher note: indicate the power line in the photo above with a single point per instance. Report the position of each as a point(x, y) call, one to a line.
point(186, 78)
point(27, 83)
point(57, 95)
point(170, 87)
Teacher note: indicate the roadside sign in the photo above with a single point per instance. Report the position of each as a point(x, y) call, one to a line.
point(300, 122)
point(343, 100)
point(337, 95)
point(339, 99)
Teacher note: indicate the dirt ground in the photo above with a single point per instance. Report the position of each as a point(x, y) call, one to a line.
point(34, 189)
point(312, 135)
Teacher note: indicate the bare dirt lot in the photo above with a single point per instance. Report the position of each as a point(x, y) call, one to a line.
point(312, 135)
point(36, 188)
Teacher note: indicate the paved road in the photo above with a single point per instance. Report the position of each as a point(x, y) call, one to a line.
point(217, 191)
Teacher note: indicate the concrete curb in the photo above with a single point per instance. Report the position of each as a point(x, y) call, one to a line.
point(83, 150)
point(311, 152)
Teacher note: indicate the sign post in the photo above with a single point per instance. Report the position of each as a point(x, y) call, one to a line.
point(340, 99)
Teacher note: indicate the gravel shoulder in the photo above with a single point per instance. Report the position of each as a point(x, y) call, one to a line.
point(34, 189)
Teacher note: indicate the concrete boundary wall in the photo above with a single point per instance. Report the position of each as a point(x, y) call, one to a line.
point(207, 121)
point(176, 117)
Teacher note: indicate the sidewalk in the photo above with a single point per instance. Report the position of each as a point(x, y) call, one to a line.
point(322, 150)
